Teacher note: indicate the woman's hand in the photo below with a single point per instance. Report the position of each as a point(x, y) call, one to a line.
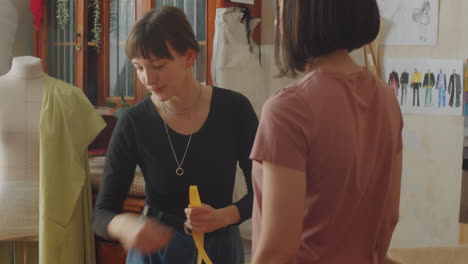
point(144, 234)
point(206, 219)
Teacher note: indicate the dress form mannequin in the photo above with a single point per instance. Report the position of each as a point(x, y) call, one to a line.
point(59, 212)
point(20, 109)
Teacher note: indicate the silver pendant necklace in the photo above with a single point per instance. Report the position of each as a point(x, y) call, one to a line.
point(179, 171)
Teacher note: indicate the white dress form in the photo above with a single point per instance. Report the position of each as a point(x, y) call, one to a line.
point(21, 92)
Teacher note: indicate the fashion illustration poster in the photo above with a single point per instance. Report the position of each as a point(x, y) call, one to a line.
point(426, 86)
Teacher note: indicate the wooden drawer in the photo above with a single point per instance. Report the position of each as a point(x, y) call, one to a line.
point(109, 252)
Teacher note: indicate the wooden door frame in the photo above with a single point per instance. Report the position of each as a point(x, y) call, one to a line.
point(81, 38)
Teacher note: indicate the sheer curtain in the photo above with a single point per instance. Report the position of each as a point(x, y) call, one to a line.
point(121, 73)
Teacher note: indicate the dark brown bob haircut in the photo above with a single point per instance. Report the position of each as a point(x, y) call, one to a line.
point(150, 34)
point(311, 28)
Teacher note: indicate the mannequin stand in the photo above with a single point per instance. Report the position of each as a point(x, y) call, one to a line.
point(13, 252)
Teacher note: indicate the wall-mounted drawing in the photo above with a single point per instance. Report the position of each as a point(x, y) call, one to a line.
point(421, 16)
point(435, 85)
point(409, 22)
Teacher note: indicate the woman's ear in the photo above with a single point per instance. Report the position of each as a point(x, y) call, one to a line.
point(190, 56)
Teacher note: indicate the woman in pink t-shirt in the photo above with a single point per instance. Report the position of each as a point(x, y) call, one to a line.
point(327, 155)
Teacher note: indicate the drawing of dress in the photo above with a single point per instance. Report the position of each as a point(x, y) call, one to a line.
point(421, 16)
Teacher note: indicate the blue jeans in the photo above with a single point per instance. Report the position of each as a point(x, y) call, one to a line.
point(223, 246)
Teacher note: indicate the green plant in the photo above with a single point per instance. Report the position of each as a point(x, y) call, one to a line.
point(97, 27)
point(120, 108)
point(63, 15)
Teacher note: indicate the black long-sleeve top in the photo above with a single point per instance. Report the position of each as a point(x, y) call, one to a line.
point(139, 137)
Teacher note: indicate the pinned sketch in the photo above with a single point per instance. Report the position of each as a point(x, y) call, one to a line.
point(426, 86)
point(409, 22)
point(421, 17)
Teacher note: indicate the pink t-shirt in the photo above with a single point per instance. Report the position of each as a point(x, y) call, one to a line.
point(344, 132)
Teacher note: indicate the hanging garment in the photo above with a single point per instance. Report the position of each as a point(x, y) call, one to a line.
point(236, 58)
point(69, 123)
point(37, 9)
point(236, 66)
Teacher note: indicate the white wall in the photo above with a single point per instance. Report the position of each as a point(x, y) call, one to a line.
point(433, 146)
point(16, 31)
point(23, 44)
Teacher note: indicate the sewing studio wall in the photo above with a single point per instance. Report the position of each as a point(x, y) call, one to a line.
point(432, 157)
point(9, 22)
point(17, 38)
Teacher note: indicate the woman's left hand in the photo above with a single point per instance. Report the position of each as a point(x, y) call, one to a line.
point(204, 218)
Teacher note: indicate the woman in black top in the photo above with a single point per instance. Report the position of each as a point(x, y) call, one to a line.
point(185, 134)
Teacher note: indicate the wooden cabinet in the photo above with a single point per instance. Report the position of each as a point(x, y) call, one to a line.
point(109, 252)
point(99, 66)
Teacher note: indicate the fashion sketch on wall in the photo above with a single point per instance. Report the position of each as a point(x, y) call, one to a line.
point(426, 86)
point(409, 22)
point(422, 18)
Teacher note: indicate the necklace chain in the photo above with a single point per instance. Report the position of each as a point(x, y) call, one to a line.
point(186, 110)
point(180, 171)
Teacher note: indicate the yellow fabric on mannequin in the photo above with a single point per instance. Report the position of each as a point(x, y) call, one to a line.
point(198, 238)
point(68, 125)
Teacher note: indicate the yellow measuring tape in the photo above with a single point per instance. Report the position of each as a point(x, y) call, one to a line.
point(198, 237)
